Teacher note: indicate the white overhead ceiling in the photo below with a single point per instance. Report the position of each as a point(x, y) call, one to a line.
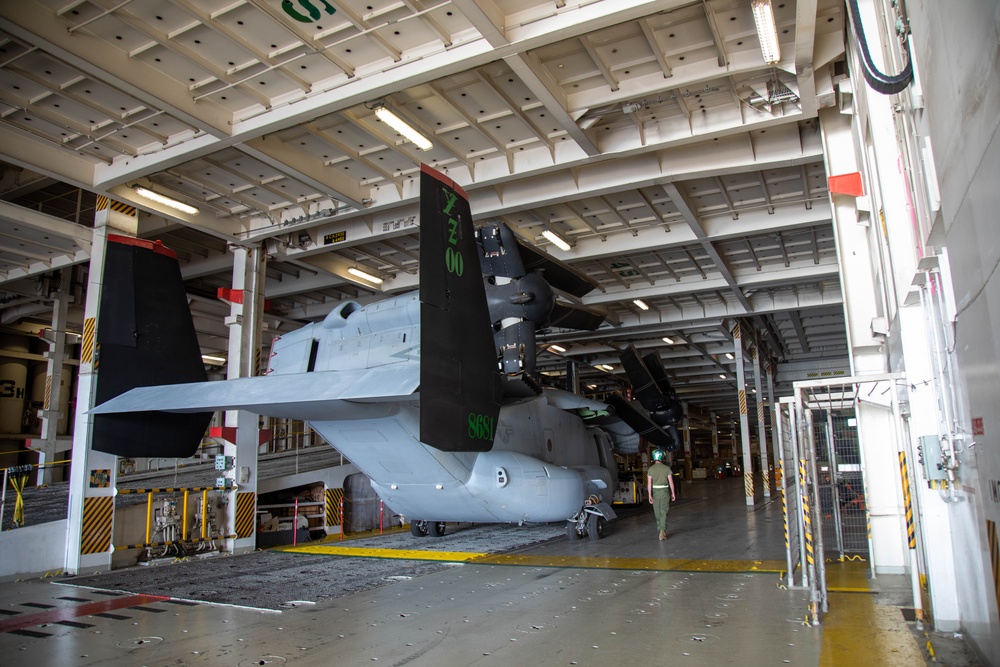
point(650, 134)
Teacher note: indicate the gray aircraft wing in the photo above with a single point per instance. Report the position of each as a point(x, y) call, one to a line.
point(313, 396)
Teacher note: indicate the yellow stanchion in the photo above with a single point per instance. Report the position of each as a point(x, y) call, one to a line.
point(18, 482)
point(149, 516)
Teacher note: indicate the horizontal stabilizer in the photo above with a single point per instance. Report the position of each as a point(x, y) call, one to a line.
point(309, 397)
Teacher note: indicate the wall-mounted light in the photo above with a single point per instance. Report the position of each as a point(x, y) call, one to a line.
point(214, 361)
point(556, 240)
point(395, 122)
point(559, 349)
point(767, 32)
point(364, 276)
point(668, 340)
point(165, 200)
point(640, 303)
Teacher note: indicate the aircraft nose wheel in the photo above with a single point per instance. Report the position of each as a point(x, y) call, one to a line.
point(595, 527)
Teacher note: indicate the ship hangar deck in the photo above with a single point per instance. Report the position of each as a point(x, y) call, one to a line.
point(710, 594)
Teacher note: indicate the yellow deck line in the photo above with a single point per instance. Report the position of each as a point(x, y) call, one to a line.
point(857, 631)
point(592, 562)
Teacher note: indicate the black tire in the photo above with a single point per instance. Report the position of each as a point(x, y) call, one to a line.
point(435, 528)
point(418, 528)
point(595, 527)
point(571, 532)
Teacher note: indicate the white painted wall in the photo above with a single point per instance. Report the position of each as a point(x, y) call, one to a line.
point(32, 550)
point(957, 51)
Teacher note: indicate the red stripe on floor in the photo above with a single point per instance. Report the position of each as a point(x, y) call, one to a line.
point(69, 613)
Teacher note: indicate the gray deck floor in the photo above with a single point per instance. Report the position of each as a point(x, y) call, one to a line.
point(553, 601)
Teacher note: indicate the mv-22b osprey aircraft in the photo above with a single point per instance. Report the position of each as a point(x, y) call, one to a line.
point(430, 395)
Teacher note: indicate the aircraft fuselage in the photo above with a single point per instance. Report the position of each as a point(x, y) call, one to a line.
point(544, 461)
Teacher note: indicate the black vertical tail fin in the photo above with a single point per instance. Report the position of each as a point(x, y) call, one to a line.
point(145, 336)
point(460, 385)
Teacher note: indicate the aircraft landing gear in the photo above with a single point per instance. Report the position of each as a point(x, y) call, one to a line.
point(425, 528)
point(590, 521)
point(595, 526)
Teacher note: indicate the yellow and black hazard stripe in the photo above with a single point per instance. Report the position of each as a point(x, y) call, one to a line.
point(806, 514)
point(105, 203)
point(125, 209)
point(904, 471)
point(991, 533)
point(246, 504)
point(98, 512)
point(333, 499)
point(784, 513)
point(87, 349)
point(743, 401)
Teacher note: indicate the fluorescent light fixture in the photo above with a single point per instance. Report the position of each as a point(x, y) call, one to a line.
point(729, 355)
point(166, 201)
point(591, 386)
point(557, 348)
point(722, 375)
point(767, 32)
point(364, 276)
point(640, 303)
point(607, 367)
point(668, 340)
point(401, 126)
point(209, 359)
point(557, 240)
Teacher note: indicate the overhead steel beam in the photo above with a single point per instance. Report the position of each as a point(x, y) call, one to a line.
point(691, 218)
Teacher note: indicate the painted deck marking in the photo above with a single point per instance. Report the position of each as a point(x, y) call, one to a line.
point(590, 562)
point(69, 613)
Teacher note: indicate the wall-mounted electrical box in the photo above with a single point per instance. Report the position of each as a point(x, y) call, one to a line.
point(929, 456)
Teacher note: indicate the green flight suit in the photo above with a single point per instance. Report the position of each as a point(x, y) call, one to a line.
point(659, 474)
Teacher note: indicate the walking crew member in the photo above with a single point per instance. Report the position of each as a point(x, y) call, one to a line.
point(659, 479)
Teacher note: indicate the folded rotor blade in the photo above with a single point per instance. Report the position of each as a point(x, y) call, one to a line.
point(655, 366)
point(641, 423)
point(643, 382)
point(575, 317)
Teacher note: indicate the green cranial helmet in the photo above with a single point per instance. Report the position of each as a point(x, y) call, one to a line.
point(658, 455)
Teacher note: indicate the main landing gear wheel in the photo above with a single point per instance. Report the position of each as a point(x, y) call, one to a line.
point(595, 527)
point(425, 528)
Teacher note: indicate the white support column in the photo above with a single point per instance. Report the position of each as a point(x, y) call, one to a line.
point(715, 436)
point(47, 444)
point(775, 440)
point(93, 474)
point(765, 470)
point(245, 321)
point(741, 383)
